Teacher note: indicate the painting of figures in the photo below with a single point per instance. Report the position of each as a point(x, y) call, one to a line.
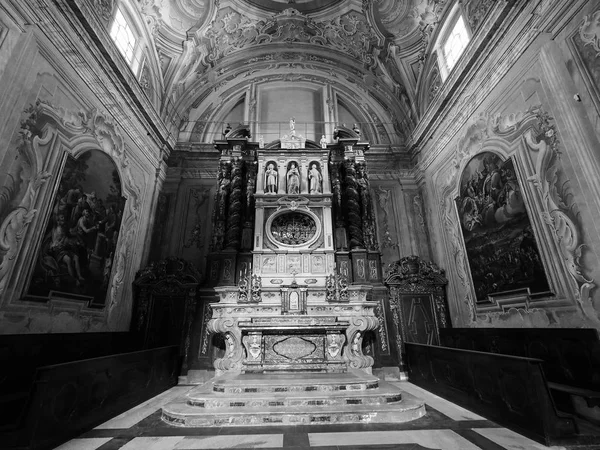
point(77, 251)
point(501, 246)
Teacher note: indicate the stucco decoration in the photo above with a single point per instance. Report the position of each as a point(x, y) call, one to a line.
point(104, 8)
point(559, 211)
point(531, 138)
point(476, 11)
point(46, 133)
point(383, 200)
point(589, 31)
point(349, 34)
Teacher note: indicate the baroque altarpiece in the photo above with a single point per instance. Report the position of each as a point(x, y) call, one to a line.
point(294, 254)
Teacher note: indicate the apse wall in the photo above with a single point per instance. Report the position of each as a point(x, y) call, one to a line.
point(80, 171)
point(535, 135)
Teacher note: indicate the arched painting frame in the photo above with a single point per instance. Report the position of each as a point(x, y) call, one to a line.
point(76, 255)
point(500, 243)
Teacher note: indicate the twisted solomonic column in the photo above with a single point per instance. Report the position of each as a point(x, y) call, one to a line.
point(234, 216)
point(366, 208)
point(352, 200)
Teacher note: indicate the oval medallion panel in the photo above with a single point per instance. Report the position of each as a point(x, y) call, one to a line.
point(293, 228)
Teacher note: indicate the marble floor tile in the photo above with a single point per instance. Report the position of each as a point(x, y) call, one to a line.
point(153, 443)
point(451, 410)
point(232, 441)
point(434, 439)
point(143, 410)
point(205, 442)
point(83, 444)
point(511, 440)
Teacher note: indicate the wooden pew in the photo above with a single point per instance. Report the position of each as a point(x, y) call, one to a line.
point(22, 354)
point(509, 390)
point(70, 398)
point(571, 355)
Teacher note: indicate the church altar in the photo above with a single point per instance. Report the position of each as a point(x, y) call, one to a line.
point(294, 262)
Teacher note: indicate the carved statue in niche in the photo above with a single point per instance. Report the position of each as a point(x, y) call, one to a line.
point(293, 179)
point(323, 141)
point(224, 183)
point(315, 179)
point(271, 179)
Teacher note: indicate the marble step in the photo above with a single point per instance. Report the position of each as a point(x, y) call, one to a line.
point(179, 413)
point(271, 383)
point(310, 398)
point(206, 397)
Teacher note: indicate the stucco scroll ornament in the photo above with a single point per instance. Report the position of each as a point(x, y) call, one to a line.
point(130, 223)
point(457, 250)
point(418, 205)
point(28, 175)
point(383, 198)
point(589, 31)
point(558, 211)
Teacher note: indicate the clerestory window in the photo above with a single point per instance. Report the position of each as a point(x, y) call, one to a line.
point(125, 39)
point(453, 41)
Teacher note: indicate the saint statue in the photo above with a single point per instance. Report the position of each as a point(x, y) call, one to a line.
point(261, 141)
point(293, 126)
point(271, 179)
point(315, 180)
point(226, 130)
point(323, 142)
point(356, 129)
point(293, 179)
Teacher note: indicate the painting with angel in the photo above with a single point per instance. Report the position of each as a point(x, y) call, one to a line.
point(499, 239)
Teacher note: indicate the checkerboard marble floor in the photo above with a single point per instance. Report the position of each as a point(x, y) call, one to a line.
point(446, 426)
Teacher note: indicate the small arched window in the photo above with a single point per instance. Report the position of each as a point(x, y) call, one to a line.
point(126, 39)
point(452, 41)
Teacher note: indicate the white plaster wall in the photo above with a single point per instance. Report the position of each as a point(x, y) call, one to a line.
point(33, 70)
point(540, 77)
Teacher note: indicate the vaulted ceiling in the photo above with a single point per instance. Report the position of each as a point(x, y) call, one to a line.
point(372, 51)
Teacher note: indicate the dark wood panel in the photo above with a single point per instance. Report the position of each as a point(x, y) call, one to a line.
point(21, 355)
point(509, 390)
point(68, 399)
point(571, 355)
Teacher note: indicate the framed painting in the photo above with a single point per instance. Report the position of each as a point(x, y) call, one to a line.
point(76, 255)
point(500, 243)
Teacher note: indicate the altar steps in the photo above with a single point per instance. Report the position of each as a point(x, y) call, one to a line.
point(293, 399)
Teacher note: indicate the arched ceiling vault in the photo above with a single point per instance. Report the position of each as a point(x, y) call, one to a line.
point(375, 49)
